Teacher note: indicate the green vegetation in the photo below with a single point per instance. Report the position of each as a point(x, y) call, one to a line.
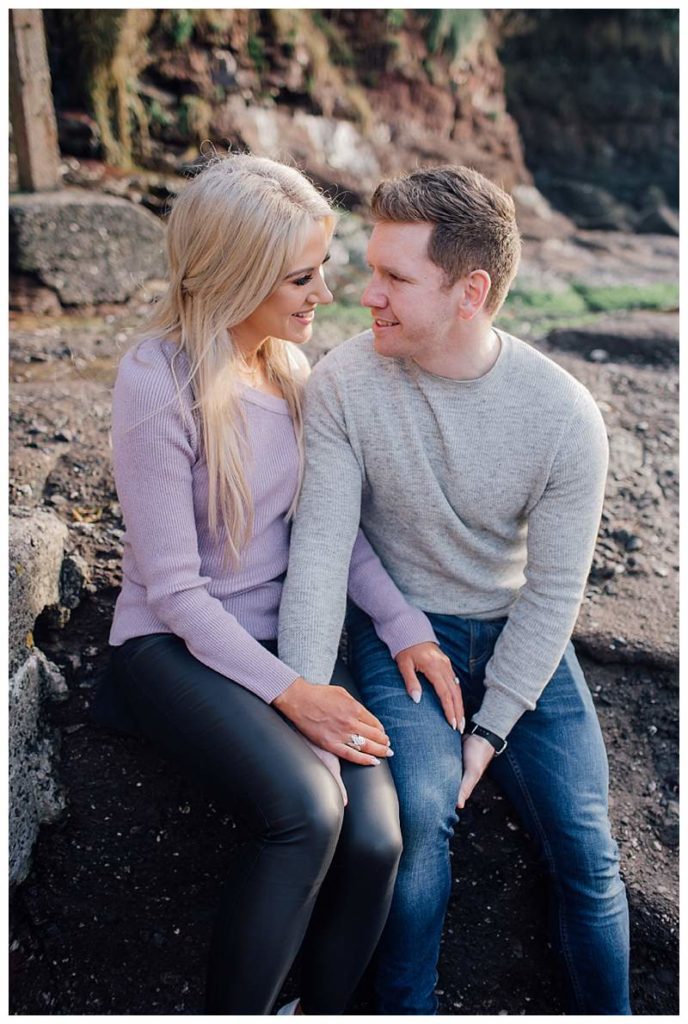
point(342, 319)
point(181, 25)
point(579, 303)
point(451, 31)
point(627, 296)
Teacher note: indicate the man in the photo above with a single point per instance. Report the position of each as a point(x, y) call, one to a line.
point(476, 467)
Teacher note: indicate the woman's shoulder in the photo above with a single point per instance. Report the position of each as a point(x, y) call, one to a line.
point(151, 366)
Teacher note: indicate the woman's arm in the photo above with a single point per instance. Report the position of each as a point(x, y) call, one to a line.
point(154, 450)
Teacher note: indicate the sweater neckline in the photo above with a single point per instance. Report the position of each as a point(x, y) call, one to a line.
point(493, 373)
point(257, 397)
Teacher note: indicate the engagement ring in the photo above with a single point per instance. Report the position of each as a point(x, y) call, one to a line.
point(355, 740)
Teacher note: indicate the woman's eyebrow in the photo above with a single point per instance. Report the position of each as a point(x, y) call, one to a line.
point(306, 270)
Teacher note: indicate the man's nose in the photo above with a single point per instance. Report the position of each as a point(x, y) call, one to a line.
point(373, 296)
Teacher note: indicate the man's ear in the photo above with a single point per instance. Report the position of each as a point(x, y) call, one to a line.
point(476, 288)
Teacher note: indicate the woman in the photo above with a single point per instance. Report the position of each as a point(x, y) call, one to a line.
point(208, 459)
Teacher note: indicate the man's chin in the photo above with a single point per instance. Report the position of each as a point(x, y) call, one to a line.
point(388, 346)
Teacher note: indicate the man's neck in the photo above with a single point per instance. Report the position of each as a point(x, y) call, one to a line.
point(467, 357)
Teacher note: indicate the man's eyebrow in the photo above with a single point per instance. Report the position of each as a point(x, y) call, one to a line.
point(306, 270)
point(390, 270)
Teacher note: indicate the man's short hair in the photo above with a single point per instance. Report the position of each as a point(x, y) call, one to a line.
point(474, 223)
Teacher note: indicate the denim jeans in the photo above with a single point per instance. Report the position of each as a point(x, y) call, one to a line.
point(554, 772)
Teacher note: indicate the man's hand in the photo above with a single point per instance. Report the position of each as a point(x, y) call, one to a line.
point(329, 716)
point(437, 669)
point(477, 754)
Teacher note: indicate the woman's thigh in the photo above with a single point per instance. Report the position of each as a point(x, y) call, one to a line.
point(223, 736)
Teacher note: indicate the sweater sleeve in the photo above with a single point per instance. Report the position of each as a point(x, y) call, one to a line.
point(562, 528)
point(154, 450)
point(397, 623)
point(328, 554)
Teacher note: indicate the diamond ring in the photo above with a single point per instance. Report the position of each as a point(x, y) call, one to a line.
point(356, 740)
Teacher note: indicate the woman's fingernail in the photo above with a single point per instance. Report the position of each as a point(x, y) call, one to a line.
point(453, 724)
point(462, 725)
point(457, 680)
point(390, 752)
point(376, 760)
point(416, 696)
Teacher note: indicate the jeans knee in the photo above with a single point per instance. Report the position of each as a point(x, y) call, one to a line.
point(590, 874)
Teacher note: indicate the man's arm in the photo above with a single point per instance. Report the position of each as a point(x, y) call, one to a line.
point(323, 535)
point(562, 528)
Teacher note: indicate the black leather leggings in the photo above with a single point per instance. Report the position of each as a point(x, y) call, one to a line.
point(314, 875)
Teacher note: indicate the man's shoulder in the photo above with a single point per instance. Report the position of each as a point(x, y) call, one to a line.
point(543, 377)
point(353, 353)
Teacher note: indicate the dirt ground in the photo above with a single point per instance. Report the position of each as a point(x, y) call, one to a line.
point(115, 915)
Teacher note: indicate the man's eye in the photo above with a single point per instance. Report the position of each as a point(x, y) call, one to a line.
point(301, 281)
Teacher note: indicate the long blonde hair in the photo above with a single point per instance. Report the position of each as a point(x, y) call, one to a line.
point(231, 235)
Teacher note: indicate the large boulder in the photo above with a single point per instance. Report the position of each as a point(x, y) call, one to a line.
point(36, 546)
point(87, 247)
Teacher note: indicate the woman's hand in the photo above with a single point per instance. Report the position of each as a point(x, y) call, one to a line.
point(332, 763)
point(439, 672)
point(329, 716)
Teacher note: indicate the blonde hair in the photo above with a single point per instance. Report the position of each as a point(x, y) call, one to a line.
point(231, 235)
point(474, 223)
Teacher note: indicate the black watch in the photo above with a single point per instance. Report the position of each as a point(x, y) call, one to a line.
point(496, 741)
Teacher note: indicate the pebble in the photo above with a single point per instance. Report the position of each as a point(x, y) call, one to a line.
point(642, 426)
point(598, 355)
point(661, 570)
point(652, 730)
point(634, 543)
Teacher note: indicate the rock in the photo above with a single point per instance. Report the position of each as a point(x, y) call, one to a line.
point(87, 247)
point(598, 355)
point(590, 206)
point(78, 134)
point(536, 218)
point(35, 797)
point(660, 220)
point(639, 337)
point(36, 543)
point(28, 296)
point(74, 576)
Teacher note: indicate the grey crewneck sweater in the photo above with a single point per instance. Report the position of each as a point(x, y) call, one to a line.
point(482, 499)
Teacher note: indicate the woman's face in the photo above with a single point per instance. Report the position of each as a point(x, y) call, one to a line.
point(288, 313)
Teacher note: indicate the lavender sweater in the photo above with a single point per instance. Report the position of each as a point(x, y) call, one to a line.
point(174, 580)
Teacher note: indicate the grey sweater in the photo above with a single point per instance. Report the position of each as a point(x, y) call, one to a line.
point(482, 498)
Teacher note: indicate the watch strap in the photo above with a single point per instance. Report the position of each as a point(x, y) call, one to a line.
point(492, 738)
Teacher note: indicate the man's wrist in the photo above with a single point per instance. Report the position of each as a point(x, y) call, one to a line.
point(498, 742)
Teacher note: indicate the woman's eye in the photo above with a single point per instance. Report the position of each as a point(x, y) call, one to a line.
point(301, 281)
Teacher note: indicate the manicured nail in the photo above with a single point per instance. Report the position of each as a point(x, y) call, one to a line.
point(390, 752)
point(462, 725)
point(416, 696)
point(376, 760)
point(457, 680)
point(453, 724)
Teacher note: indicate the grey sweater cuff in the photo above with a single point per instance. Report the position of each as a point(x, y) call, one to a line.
point(499, 711)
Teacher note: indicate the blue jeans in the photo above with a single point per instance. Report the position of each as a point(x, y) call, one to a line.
point(554, 772)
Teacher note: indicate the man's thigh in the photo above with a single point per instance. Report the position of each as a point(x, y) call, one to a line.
point(555, 770)
point(427, 752)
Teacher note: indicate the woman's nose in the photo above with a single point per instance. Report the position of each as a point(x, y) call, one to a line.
point(322, 293)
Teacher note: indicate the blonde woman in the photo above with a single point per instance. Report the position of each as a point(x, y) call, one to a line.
point(208, 459)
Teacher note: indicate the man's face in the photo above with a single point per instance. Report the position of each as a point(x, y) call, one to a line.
point(413, 312)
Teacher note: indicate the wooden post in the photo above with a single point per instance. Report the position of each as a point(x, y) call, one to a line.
point(31, 104)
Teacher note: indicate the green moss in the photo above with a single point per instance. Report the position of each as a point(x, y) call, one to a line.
point(561, 303)
point(181, 24)
point(451, 31)
point(256, 51)
point(663, 295)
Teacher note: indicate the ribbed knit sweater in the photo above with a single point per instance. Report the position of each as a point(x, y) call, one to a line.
point(481, 497)
point(174, 578)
